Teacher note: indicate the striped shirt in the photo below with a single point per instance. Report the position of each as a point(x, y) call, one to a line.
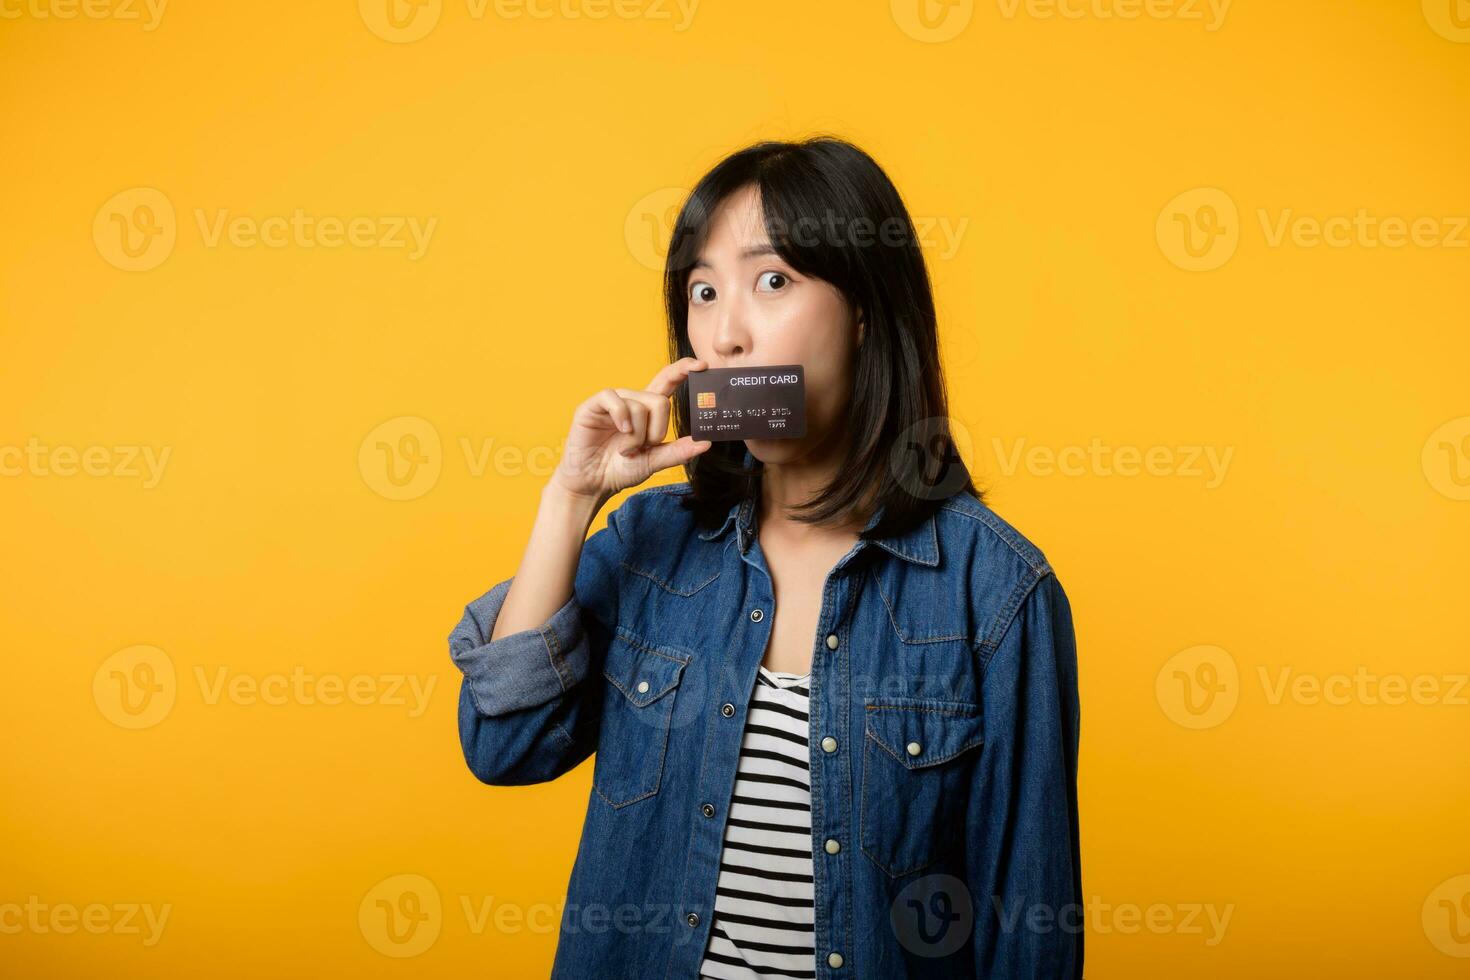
point(762, 925)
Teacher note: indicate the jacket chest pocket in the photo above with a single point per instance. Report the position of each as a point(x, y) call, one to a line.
point(637, 710)
point(919, 759)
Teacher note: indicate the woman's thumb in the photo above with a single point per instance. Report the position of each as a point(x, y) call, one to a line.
point(675, 453)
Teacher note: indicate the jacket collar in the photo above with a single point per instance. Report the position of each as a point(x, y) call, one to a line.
point(919, 545)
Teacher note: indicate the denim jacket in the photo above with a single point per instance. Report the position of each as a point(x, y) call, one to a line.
point(943, 746)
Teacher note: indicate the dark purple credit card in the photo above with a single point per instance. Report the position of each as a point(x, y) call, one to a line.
point(767, 402)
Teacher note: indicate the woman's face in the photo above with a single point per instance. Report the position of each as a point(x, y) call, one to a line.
point(748, 308)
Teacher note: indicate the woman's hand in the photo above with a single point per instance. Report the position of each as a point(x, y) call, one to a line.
point(616, 439)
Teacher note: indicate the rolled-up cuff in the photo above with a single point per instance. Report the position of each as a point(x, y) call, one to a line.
point(519, 670)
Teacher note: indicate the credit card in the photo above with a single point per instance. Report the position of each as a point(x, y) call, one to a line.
point(767, 402)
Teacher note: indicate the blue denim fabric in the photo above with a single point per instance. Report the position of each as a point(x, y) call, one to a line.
point(944, 734)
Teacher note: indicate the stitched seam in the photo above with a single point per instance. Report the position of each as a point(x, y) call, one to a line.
point(553, 653)
point(916, 558)
point(898, 632)
point(1010, 537)
point(958, 709)
point(863, 835)
point(1004, 618)
point(617, 806)
point(665, 585)
point(475, 700)
point(817, 781)
point(934, 762)
point(689, 855)
point(845, 711)
point(678, 674)
point(863, 813)
point(667, 652)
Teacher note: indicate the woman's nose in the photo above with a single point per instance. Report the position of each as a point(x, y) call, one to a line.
point(732, 336)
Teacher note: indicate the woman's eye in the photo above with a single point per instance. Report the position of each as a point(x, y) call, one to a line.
point(700, 293)
point(776, 279)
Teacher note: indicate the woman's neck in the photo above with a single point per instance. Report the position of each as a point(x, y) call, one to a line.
point(788, 485)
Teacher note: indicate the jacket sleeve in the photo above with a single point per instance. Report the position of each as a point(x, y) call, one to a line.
point(1025, 872)
point(530, 703)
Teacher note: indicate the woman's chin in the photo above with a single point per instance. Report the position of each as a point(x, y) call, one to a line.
point(777, 450)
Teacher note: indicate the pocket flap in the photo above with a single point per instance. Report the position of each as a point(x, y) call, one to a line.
point(921, 732)
point(643, 671)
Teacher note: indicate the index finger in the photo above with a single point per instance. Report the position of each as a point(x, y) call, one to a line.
point(670, 376)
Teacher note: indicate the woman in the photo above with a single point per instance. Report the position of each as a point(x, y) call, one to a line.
point(832, 696)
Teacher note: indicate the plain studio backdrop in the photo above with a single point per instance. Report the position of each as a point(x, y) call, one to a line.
point(296, 300)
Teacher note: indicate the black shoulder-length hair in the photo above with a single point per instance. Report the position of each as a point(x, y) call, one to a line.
point(833, 214)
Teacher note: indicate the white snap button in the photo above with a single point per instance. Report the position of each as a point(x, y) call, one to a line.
point(834, 960)
point(642, 687)
point(914, 748)
point(755, 615)
point(832, 846)
point(831, 641)
point(829, 744)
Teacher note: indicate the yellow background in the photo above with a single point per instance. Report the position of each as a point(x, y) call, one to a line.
point(545, 149)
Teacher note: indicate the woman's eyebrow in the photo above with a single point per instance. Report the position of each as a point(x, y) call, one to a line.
point(753, 251)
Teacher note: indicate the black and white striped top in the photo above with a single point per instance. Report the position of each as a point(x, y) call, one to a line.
point(762, 927)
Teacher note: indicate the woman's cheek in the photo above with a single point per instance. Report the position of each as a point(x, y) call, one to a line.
point(825, 396)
